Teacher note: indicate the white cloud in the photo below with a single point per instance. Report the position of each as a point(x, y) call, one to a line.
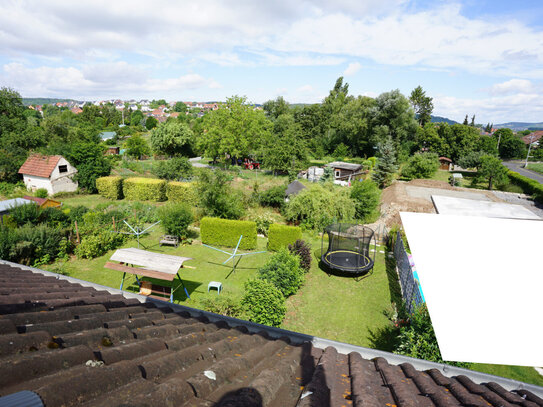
point(285, 33)
point(352, 68)
point(498, 109)
point(511, 87)
point(103, 80)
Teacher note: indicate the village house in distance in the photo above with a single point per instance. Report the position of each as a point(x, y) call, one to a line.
point(51, 172)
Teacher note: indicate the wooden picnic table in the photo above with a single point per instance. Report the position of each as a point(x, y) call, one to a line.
point(148, 264)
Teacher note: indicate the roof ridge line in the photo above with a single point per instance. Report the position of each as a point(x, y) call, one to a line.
point(298, 338)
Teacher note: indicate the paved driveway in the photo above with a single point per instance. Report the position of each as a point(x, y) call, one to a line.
point(517, 167)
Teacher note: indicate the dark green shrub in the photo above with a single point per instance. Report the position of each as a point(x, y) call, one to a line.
point(110, 187)
point(223, 305)
point(274, 196)
point(217, 197)
point(76, 213)
point(421, 165)
point(418, 340)
point(225, 232)
point(29, 213)
point(144, 189)
point(302, 249)
point(366, 195)
point(54, 217)
point(42, 193)
point(176, 219)
point(284, 271)
point(280, 236)
point(175, 168)
point(181, 192)
point(7, 241)
point(97, 245)
point(32, 242)
point(263, 303)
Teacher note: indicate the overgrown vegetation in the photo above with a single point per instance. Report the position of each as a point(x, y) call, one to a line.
point(283, 271)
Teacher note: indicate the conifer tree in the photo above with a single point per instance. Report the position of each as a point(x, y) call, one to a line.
point(386, 165)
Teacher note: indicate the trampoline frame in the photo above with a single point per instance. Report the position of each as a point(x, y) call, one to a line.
point(336, 269)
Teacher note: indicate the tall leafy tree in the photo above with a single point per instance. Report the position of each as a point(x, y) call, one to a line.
point(284, 149)
point(88, 158)
point(11, 111)
point(275, 108)
point(422, 104)
point(392, 109)
point(172, 138)
point(235, 129)
point(180, 107)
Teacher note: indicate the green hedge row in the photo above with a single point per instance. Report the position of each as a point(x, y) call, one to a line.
point(144, 189)
point(225, 232)
point(110, 187)
point(280, 236)
point(181, 192)
point(528, 185)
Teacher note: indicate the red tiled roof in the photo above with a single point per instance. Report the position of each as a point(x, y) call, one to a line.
point(445, 159)
point(534, 136)
point(40, 165)
point(75, 345)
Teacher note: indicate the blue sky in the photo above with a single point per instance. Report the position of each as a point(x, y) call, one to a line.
point(472, 56)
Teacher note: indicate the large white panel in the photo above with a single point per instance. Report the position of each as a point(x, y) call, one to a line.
point(483, 283)
point(448, 205)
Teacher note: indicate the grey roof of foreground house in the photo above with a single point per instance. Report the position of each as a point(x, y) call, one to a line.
point(77, 343)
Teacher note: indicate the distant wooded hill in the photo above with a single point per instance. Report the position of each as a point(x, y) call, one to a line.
point(43, 101)
point(519, 126)
point(439, 119)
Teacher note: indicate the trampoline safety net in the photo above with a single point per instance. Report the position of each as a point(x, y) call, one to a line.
point(348, 248)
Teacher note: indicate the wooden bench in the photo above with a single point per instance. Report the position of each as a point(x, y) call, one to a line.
point(170, 240)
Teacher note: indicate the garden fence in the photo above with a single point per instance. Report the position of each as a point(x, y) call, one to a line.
point(410, 290)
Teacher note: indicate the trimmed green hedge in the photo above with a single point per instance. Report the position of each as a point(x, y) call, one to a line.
point(181, 192)
point(144, 189)
point(110, 187)
point(528, 185)
point(280, 236)
point(225, 232)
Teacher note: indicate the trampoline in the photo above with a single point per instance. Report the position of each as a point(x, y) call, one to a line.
point(348, 252)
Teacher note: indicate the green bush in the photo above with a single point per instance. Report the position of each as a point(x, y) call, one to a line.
point(225, 232)
point(302, 249)
point(366, 195)
point(320, 205)
point(110, 187)
point(280, 236)
point(23, 214)
point(274, 196)
point(42, 193)
point(181, 192)
point(263, 222)
point(97, 245)
point(29, 243)
point(284, 271)
point(421, 165)
point(263, 303)
point(223, 305)
point(54, 217)
point(176, 219)
point(418, 339)
point(144, 189)
point(217, 197)
point(528, 185)
point(174, 169)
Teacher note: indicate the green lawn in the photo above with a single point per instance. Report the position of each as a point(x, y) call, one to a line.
point(330, 307)
point(538, 167)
